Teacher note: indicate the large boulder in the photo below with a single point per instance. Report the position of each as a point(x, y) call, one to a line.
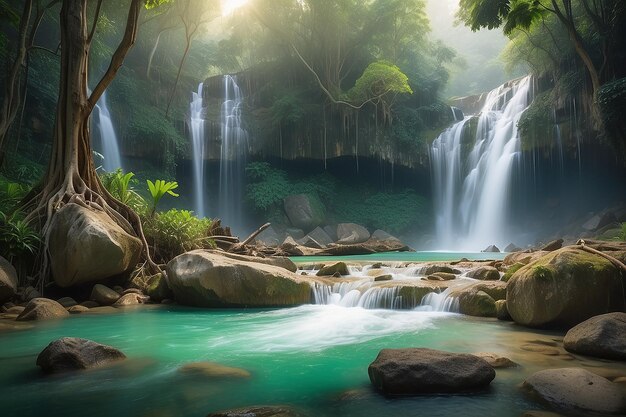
point(491, 249)
point(351, 233)
point(208, 279)
point(417, 370)
point(42, 309)
point(8, 280)
point(602, 336)
point(86, 245)
point(279, 261)
point(563, 288)
point(73, 353)
point(304, 211)
point(577, 389)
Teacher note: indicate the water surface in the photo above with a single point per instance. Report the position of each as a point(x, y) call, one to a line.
point(314, 357)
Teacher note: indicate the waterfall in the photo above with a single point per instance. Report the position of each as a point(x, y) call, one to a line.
point(197, 141)
point(471, 178)
point(232, 155)
point(108, 138)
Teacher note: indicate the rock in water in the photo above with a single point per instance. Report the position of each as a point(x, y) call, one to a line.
point(73, 353)
point(8, 280)
point(130, 300)
point(86, 245)
point(416, 371)
point(207, 279)
point(484, 273)
point(601, 336)
point(213, 370)
point(491, 248)
point(103, 295)
point(564, 288)
point(577, 389)
point(338, 267)
point(42, 309)
point(259, 411)
point(304, 211)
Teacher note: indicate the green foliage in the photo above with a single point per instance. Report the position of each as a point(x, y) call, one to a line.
point(622, 235)
point(479, 14)
point(173, 232)
point(17, 239)
point(268, 186)
point(158, 189)
point(536, 124)
point(393, 212)
point(121, 186)
point(11, 193)
point(378, 79)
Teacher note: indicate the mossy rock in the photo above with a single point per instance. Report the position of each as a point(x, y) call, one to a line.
point(564, 288)
point(512, 269)
point(158, 289)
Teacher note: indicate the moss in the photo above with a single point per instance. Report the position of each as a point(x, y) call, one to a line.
point(512, 270)
point(543, 272)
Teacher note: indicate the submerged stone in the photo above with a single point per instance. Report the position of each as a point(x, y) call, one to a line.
point(259, 411)
point(577, 389)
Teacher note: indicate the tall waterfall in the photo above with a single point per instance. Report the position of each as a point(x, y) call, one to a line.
point(197, 141)
point(108, 138)
point(232, 155)
point(472, 179)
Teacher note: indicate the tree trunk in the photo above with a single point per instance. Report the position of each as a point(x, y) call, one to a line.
point(71, 175)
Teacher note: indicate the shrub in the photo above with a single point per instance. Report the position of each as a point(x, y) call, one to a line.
point(19, 243)
point(174, 232)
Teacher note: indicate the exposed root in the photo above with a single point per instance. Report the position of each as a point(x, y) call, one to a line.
point(74, 189)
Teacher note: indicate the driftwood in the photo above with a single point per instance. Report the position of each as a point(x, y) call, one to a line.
point(242, 246)
point(619, 264)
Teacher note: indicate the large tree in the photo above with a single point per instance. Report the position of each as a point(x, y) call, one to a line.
point(575, 17)
point(71, 175)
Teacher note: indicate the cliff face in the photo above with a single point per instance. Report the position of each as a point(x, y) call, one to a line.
point(309, 127)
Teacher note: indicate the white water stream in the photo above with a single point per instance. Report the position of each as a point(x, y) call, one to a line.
point(197, 142)
point(471, 181)
point(110, 147)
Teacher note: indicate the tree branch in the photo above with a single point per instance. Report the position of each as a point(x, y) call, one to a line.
point(130, 35)
point(96, 17)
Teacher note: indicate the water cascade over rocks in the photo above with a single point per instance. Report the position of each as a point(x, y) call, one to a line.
point(472, 164)
point(197, 142)
point(108, 139)
point(232, 155)
point(406, 290)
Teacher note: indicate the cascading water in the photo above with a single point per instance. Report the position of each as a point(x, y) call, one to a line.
point(197, 141)
point(232, 155)
point(471, 180)
point(108, 138)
